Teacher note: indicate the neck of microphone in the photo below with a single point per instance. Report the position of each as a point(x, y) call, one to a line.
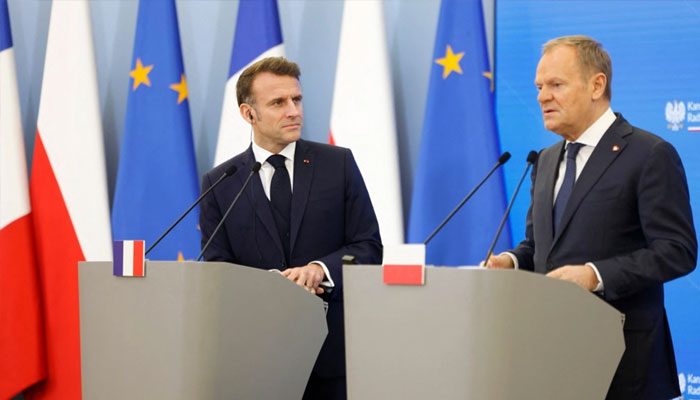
point(230, 171)
point(253, 171)
point(501, 160)
point(531, 158)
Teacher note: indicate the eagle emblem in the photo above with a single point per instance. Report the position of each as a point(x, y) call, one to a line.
point(675, 114)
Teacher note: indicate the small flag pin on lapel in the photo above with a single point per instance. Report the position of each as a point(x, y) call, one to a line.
point(306, 161)
point(616, 148)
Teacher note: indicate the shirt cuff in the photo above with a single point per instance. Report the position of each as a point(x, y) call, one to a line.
point(512, 257)
point(328, 282)
point(598, 288)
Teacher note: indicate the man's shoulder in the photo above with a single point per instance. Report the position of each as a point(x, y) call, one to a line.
point(634, 134)
point(641, 144)
point(238, 161)
point(321, 148)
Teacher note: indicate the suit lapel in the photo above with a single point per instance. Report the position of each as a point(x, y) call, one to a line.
point(611, 145)
point(303, 173)
point(549, 166)
point(257, 198)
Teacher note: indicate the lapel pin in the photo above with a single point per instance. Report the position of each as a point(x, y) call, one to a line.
point(616, 148)
point(306, 161)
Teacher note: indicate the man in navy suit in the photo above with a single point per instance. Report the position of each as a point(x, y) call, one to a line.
point(305, 210)
point(610, 212)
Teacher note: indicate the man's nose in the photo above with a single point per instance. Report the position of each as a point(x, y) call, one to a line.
point(293, 109)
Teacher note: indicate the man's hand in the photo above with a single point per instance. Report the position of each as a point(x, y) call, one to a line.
point(308, 276)
point(501, 261)
point(582, 275)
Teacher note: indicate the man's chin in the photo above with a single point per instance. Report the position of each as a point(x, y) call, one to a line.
point(293, 136)
point(550, 126)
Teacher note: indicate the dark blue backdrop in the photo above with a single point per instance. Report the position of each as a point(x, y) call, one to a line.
point(655, 49)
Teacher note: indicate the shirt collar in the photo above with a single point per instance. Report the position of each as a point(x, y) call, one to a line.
point(262, 155)
point(595, 132)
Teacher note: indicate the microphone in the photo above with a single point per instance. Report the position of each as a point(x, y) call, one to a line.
point(230, 171)
point(501, 160)
point(256, 168)
point(531, 158)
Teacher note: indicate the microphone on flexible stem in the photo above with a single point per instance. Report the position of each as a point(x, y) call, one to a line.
point(501, 160)
point(256, 168)
point(531, 158)
point(230, 171)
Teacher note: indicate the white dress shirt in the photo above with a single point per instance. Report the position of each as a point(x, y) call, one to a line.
point(267, 170)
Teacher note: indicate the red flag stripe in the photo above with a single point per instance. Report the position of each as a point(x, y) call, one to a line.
point(22, 361)
point(138, 258)
point(403, 274)
point(58, 253)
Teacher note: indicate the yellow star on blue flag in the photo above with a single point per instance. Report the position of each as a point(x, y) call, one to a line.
point(450, 62)
point(180, 88)
point(140, 74)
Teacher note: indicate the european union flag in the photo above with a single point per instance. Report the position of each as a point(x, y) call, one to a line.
point(157, 177)
point(459, 144)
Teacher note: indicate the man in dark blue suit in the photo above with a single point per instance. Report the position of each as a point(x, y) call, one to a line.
point(305, 210)
point(610, 212)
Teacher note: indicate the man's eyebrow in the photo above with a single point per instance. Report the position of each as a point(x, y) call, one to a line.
point(276, 99)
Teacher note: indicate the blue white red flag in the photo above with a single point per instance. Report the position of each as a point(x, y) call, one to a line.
point(258, 35)
point(129, 258)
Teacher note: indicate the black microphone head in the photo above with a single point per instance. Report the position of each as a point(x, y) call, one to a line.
point(256, 167)
point(532, 157)
point(231, 170)
point(503, 158)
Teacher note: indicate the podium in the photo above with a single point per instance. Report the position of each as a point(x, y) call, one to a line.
point(477, 334)
point(192, 330)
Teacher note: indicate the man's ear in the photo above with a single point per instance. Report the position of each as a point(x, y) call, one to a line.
point(598, 81)
point(247, 112)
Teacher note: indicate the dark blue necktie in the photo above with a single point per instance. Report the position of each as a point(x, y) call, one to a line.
point(567, 185)
point(281, 200)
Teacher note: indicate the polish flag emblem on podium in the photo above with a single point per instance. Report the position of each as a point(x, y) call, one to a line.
point(404, 264)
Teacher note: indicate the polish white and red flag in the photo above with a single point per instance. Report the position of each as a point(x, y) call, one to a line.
point(362, 116)
point(22, 361)
point(68, 188)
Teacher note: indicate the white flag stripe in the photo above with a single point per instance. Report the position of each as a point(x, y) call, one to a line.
point(128, 258)
point(14, 192)
point(363, 111)
point(70, 127)
point(234, 131)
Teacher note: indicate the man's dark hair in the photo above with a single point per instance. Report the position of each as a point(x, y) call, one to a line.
point(275, 65)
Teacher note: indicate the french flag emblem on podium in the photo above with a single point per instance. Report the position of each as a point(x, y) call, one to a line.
point(129, 258)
